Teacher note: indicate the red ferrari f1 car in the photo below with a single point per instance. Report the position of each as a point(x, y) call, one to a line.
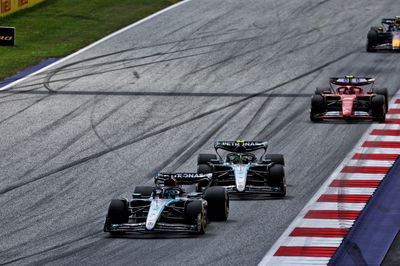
point(349, 98)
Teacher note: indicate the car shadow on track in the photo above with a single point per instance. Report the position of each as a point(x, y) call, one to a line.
point(257, 197)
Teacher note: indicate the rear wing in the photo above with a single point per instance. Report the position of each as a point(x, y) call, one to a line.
point(352, 81)
point(241, 145)
point(182, 178)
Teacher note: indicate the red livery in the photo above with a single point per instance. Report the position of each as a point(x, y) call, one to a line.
point(348, 98)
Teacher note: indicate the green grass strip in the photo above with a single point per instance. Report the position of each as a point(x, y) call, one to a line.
point(56, 28)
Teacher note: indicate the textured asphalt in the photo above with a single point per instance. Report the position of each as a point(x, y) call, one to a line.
point(156, 96)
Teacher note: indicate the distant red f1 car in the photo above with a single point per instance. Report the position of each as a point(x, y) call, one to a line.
point(349, 98)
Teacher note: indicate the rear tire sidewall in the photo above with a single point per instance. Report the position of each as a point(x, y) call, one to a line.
point(205, 158)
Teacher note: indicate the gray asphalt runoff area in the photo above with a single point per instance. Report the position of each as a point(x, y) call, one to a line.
point(155, 97)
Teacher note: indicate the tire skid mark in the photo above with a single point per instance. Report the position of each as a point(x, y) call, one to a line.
point(165, 129)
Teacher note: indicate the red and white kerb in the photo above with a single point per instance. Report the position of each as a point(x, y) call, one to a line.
point(319, 229)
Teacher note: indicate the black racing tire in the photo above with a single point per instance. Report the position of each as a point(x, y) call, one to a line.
point(146, 191)
point(378, 108)
point(372, 40)
point(320, 91)
point(205, 158)
point(118, 212)
point(276, 175)
point(275, 158)
point(383, 92)
point(195, 213)
point(203, 169)
point(217, 203)
point(317, 107)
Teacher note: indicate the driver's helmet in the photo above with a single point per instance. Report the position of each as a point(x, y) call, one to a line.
point(171, 188)
point(170, 182)
point(241, 159)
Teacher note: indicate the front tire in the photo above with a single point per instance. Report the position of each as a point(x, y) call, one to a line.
point(196, 214)
point(277, 178)
point(317, 107)
point(218, 203)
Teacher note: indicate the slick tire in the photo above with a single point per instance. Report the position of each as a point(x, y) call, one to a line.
point(217, 203)
point(275, 158)
point(276, 175)
point(205, 158)
point(195, 213)
point(118, 212)
point(317, 107)
point(378, 108)
point(144, 190)
point(383, 92)
point(372, 40)
point(203, 169)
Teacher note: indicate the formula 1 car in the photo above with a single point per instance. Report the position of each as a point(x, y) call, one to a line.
point(349, 98)
point(385, 37)
point(241, 171)
point(166, 207)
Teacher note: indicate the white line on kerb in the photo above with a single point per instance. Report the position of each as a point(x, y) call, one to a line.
point(96, 43)
point(298, 220)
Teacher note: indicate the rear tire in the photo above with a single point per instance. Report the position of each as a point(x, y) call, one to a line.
point(317, 107)
point(383, 92)
point(195, 213)
point(203, 169)
point(218, 203)
point(205, 158)
point(275, 158)
point(144, 190)
point(378, 108)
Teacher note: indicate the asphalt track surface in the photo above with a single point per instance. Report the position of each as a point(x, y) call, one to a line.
point(157, 95)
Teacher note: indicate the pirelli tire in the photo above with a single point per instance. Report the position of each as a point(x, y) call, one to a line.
point(118, 213)
point(383, 92)
point(317, 107)
point(196, 214)
point(217, 203)
point(275, 158)
point(205, 158)
point(203, 169)
point(277, 178)
point(372, 40)
point(378, 108)
point(145, 191)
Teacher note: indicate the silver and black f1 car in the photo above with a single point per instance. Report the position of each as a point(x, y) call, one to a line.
point(166, 207)
point(241, 171)
point(349, 98)
point(385, 37)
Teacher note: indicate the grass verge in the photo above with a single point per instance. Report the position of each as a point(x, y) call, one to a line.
point(56, 28)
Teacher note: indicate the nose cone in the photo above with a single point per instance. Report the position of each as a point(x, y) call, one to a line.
point(241, 177)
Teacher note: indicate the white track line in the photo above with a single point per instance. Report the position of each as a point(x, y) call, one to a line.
point(95, 43)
